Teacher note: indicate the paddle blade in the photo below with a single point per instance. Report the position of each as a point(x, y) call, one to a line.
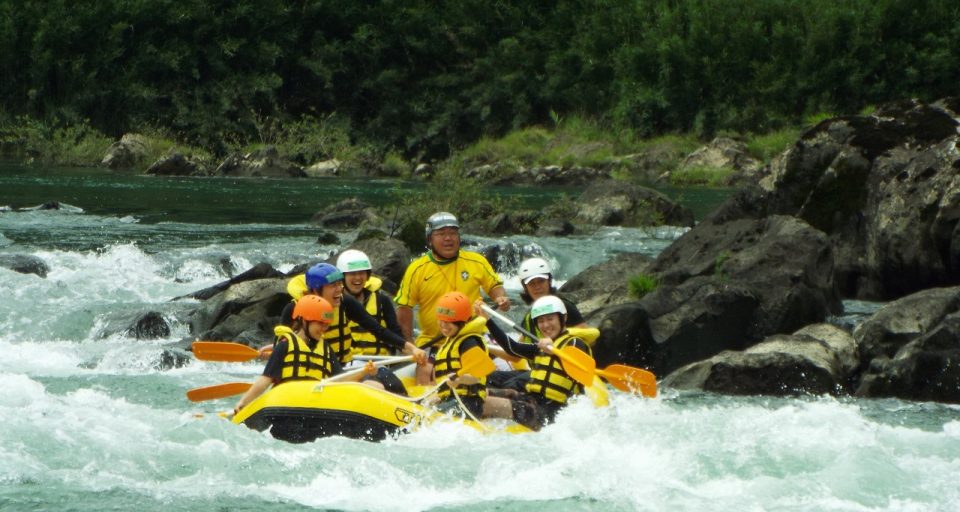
point(476, 362)
point(578, 364)
point(218, 391)
point(224, 351)
point(628, 378)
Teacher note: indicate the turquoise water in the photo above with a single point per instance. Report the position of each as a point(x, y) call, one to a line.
point(92, 422)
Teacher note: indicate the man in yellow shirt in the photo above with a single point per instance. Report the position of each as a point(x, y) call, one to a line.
point(444, 268)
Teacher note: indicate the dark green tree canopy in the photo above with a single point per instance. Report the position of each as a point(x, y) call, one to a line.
point(426, 76)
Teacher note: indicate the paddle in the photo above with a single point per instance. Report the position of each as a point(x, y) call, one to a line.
point(620, 376)
point(237, 388)
point(581, 367)
point(224, 351)
point(217, 391)
point(231, 352)
point(475, 362)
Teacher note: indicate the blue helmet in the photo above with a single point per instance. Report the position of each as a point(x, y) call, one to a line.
point(322, 274)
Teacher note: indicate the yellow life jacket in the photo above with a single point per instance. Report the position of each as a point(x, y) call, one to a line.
point(339, 337)
point(447, 359)
point(302, 362)
point(297, 286)
point(364, 341)
point(547, 378)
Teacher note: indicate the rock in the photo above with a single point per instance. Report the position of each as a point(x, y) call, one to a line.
point(258, 271)
point(265, 162)
point(325, 169)
point(556, 175)
point(150, 325)
point(724, 287)
point(886, 189)
point(423, 171)
point(606, 283)
point(555, 227)
point(128, 152)
point(252, 307)
point(900, 322)
point(724, 152)
point(783, 364)
point(616, 203)
point(24, 264)
point(388, 256)
point(349, 214)
point(175, 163)
point(927, 368)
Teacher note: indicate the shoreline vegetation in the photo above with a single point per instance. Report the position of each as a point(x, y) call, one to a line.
point(391, 85)
point(573, 142)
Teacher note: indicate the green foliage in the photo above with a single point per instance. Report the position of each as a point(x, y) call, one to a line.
point(426, 81)
point(718, 265)
point(448, 191)
point(817, 118)
point(394, 165)
point(642, 284)
point(71, 145)
point(701, 175)
point(306, 140)
point(768, 145)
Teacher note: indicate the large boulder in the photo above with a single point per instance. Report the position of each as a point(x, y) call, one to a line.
point(139, 325)
point(244, 312)
point(388, 256)
point(886, 189)
point(902, 321)
point(723, 287)
point(265, 162)
point(24, 264)
point(909, 348)
point(606, 283)
point(128, 152)
point(617, 203)
point(817, 359)
point(349, 214)
point(176, 163)
point(925, 368)
point(724, 152)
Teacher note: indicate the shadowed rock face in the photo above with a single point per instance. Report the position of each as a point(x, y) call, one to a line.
point(817, 359)
point(886, 189)
point(24, 264)
point(723, 287)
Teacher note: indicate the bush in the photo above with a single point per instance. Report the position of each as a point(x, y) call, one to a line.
point(394, 165)
point(765, 147)
point(40, 142)
point(449, 191)
point(642, 284)
point(701, 175)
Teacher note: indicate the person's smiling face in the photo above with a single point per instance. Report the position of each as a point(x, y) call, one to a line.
point(445, 242)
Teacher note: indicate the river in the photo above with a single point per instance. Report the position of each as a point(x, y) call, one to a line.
point(91, 422)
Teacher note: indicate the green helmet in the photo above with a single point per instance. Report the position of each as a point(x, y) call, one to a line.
point(546, 305)
point(353, 260)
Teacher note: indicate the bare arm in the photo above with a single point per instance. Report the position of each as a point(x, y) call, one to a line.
point(405, 319)
point(499, 295)
point(259, 386)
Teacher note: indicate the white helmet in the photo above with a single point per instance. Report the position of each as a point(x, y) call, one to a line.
point(546, 305)
point(353, 260)
point(533, 268)
point(441, 220)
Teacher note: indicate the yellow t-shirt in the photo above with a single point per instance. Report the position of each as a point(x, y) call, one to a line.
point(426, 280)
